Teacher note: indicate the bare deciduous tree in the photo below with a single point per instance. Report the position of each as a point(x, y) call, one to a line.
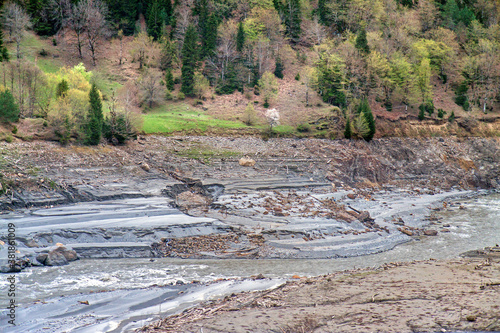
point(150, 89)
point(77, 22)
point(141, 46)
point(97, 27)
point(16, 21)
point(59, 11)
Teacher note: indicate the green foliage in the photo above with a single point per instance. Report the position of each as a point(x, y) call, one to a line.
point(268, 87)
point(297, 77)
point(169, 80)
point(348, 129)
point(330, 76)
point(441, 113)
point(250, 116)
point(156, 18)
point(454, 15)
point(362, 41)
point(292, 13)
point(428, 107)
point(365, 111)
point(9, 112)
point(4, 54)
point(209, 36)
point(117, 129)
point(451, 118)
point(278, 71)
point(303, 128)
point(421, 113)
point(124, 14)
point(94, 118)
point(62, 88)
point(461, 97)
point(189, 60)
point(240, 38)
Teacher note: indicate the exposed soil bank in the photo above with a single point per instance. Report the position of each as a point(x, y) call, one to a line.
point(428, 296)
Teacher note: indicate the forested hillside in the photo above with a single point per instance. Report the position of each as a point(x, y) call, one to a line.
point(73, 70)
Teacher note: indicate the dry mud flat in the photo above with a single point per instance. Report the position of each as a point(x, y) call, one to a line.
point(427, 296)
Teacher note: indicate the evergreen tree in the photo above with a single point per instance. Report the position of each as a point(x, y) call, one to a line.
point(9, 112)
point(156, 19)
point(189, 60)
point(365, 110)
point(323, 12)
point(209, 41)
point(4, 54)
point(95, 117)
point(278, 71)
point(362, 42)
point(62, 88)
point(348, 129)
point(240, 38)
point(169, 80)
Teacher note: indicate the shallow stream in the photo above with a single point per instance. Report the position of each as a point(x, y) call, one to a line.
point(476, 226)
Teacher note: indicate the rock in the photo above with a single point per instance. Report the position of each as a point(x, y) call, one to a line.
point(41, 258)
point(351, 196)
point(406, 231)
point(84, 302)
point(191, 200)
point(247, 162)
point(145, 167)
point(430, 232)
point(55, 258)
point(471, 318)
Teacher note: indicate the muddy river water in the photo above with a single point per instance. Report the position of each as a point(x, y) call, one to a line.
point(476, 226)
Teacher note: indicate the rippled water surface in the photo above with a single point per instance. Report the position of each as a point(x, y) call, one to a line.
point(476, 226)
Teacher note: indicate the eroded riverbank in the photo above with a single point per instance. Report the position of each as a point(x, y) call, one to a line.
point(301, 199)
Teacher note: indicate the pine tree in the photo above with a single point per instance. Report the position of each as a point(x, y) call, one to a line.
point(362, 42)
point(240, 38)
point(189, 60)
point(323, 12)
point(9, 112)
point(169, 80)
point(293, 18)
point(95, 117)
point(4, 54)
point(209, 41)
point(278, 71)
point(348, 129)
point(62, 88)
point(156, 19)
point(365, 110)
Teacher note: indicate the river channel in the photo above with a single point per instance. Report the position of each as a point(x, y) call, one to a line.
point(475, 226)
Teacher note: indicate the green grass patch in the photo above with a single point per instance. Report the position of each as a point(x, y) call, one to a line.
point(181, 117)
point(284, 130)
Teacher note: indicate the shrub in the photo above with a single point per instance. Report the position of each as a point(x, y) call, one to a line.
point(43, 53)
point(14, 130)
point(181, 96)
point(348, 129)
point(250, 117)
point(421, 113)
point(441, 113)
point(118, 128)
point(303, 128)
point(452, 117)
point(297, 77)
